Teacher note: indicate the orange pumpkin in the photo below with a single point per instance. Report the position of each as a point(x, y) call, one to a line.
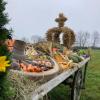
point(37, 69)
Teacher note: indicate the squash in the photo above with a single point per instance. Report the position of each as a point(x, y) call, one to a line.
point(65, 65)
point(75, 58)
point(58, 58)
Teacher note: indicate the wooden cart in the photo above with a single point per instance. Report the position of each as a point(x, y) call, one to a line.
point(74, 77)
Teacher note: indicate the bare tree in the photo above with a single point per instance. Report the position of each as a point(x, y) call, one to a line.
point(82, 38)
point(95, 38)
point(85, 39)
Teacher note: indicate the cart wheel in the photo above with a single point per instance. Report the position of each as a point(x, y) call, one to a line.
point(76, 86)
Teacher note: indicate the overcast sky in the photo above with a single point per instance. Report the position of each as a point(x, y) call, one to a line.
point(32, 17)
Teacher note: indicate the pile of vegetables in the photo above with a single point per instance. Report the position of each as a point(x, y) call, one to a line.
point(36, 66)
point(34, 61)
point(33, 66)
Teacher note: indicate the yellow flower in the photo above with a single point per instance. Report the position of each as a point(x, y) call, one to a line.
point(3, 63)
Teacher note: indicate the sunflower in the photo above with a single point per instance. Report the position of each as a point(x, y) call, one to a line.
point(4, 63)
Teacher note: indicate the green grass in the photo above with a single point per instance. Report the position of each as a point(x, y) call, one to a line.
point(92, 91)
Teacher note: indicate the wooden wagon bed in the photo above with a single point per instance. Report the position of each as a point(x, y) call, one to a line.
point(76, 73)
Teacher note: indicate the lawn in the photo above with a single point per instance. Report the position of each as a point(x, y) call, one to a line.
point(92, 91)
